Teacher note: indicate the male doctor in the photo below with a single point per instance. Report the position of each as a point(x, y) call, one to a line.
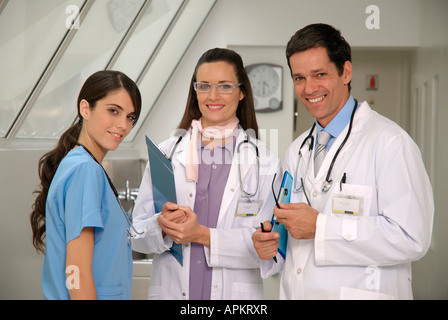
point(353, 237)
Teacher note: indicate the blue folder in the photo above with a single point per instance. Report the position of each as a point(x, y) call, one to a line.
point(284, 196)
point(163, 186)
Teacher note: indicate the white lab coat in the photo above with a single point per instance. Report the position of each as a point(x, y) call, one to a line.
point(367, 256)
point(236, 273)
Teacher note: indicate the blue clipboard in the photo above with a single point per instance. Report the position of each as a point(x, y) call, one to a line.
point(284, 196)
point(163, 186)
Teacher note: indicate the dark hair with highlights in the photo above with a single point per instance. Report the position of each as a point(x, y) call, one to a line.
point(95, 88)
point(321, 35)
point(245, 111)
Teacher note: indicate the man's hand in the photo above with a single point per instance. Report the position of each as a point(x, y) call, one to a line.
point(266, 243)
point(298, 218)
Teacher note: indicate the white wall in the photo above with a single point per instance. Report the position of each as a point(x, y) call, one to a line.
point(266, 26)
point(269, 22)
point(431, 62)
point(393, 82)
point(20, 265)
point(391, 99)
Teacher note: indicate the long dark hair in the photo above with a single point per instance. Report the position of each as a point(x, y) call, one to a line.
point(95, 88)
point(321, 35)
point(245, 111)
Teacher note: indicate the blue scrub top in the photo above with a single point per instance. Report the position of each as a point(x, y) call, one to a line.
point(80, 196)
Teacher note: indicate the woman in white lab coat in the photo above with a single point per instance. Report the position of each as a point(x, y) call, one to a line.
point(220, 199)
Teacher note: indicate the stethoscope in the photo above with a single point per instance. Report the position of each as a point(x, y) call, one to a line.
point(326, 185)
point(247, 140)
point(238, 150)
point(126, 215)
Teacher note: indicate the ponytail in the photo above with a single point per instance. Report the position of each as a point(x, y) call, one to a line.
point(95, 88)
point(48, 165)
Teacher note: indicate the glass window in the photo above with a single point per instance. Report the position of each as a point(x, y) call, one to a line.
point(163, 65)
point(47, 61)
point(30, 32)
point(146, 37)
point(90, 50)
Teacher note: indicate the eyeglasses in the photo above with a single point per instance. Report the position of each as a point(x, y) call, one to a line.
point(225, 87)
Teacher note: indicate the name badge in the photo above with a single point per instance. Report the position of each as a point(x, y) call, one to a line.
point(343, 203)
point(247, 208)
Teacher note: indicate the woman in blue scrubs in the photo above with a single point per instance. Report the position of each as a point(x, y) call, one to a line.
point(87, 248)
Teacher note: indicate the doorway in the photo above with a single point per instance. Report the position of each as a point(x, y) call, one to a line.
point(380, 77)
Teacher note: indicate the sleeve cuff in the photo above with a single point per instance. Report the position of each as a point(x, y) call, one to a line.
point(319, 247)
point(211, 254)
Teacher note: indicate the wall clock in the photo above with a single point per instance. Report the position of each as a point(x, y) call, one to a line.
point(266, 81)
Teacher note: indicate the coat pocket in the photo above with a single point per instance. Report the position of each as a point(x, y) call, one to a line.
point(247, 291)
point(154, 292)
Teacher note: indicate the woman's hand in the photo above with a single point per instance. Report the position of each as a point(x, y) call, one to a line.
point(189, 230)
point(172, 213)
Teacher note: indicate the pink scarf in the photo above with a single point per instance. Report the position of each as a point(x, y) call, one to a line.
point(216, 132)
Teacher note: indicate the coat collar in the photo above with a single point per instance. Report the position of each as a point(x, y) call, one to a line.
point(232, 189)
point(361, 116)
point(184, 145)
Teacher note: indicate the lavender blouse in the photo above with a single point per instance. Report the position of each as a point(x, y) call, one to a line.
point(214, 168)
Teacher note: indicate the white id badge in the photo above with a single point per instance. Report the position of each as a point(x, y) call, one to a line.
point(247, 208)
point(343, 203)
point(352, 199)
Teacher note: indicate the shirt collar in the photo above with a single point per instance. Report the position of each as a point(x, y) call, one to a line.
point(340, 121)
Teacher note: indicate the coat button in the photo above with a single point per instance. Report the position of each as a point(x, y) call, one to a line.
point(299, 271)
point(191, 195)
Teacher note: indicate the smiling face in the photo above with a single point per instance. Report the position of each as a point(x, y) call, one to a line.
point(318, 84)
point(108, 123)
point(217, 109)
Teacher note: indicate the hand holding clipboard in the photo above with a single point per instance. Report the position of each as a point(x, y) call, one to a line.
point(284, 196)
point(164, 188)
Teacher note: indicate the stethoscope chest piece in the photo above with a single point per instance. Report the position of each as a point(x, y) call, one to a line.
point(327, 185)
